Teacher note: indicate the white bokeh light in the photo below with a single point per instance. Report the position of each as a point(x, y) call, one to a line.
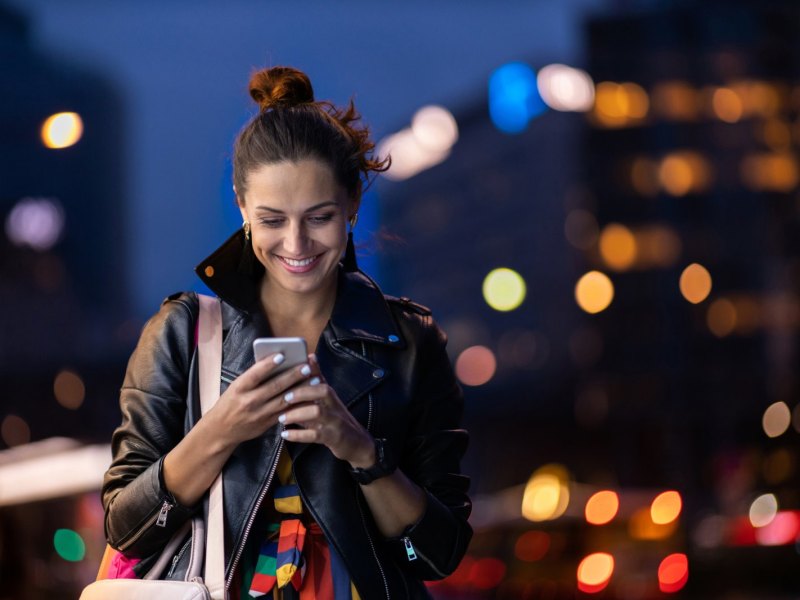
point(435, 128)
point(35, 222)
point(565, 88)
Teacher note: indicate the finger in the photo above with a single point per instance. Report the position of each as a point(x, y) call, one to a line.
point(307, 436)
point(260, 370)
point(315, 391)
point(301, 414)
point(314, 362)
point(278, 385)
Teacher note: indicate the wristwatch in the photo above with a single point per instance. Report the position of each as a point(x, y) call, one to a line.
point(384, 464)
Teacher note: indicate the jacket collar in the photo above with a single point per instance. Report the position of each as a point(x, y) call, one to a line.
point(360, 311)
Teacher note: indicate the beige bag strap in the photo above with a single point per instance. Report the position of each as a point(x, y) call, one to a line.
point(209, 346)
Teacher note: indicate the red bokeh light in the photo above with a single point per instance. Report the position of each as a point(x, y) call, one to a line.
point(487, 573)
point(532, 546)
point(673, 573)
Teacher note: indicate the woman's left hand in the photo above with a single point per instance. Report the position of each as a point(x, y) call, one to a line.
point(325, 420)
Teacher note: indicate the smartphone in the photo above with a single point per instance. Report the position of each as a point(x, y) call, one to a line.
point(293, 348)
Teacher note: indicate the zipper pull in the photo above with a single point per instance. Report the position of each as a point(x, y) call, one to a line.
point(161, 521)
point(409, 549)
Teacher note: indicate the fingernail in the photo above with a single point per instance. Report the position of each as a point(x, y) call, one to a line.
point(278, 358)
point(314, 381)
point(284, 434)
point(306, 370)
point(282, 418)
point(289, 397)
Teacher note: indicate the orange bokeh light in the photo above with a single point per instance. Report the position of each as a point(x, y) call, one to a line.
point(673, 573)
point(594, 572)
point(602, 507)
point(666, 508)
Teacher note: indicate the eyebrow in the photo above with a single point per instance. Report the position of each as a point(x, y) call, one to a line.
point(309, 209)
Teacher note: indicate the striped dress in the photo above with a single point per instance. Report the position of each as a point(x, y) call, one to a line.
point(292, 560)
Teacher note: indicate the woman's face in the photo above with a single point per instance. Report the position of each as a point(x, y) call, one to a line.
point(298, 216)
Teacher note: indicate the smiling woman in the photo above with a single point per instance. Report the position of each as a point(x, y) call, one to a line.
point(342, 475)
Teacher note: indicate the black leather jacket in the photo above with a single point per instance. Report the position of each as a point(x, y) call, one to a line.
point(386, 359)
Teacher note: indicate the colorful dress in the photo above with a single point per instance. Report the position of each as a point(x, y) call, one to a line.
point(293, 561)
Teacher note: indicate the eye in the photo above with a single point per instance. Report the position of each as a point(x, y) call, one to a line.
point(320, 219)
point(271, 222)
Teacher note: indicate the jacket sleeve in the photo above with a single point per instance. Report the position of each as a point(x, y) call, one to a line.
point(140, 513)
point(432, 457)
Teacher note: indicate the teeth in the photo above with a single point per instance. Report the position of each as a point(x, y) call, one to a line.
point(298, 263)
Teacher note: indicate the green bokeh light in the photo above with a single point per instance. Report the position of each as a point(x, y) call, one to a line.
point(69, 545)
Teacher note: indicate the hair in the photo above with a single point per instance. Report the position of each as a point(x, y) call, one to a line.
point(292, 126)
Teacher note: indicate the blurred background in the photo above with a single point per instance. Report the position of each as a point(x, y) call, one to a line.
point(598, 200)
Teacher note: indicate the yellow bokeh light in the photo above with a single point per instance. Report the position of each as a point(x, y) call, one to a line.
point(602, 507)
point(594, 571)
point(594, 292)
point(62, 130)
point(637, 99)
point(727, 105)
point(69, 390)
point(504, 289)
point(665, 508)
point(721, 317)
point(695, 283)
point(776, 420)
point(642, 527)
point(546, 494)
point(618, 246)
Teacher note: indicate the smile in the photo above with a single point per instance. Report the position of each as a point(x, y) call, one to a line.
point(298, 266)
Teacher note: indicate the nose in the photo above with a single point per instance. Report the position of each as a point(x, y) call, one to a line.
point(295, 243)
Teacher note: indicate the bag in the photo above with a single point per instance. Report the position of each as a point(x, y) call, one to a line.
point(209, 343)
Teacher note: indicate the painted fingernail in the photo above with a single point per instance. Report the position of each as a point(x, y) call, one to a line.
point(306, 370)
point(284, 434)
point(289, 397)
point(282, 418)
point(314, 381)
point(278, 358)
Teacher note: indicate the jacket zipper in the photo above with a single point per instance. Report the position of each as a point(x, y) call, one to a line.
point(409, 549)
point(157, 518)
point(253, 514)
point(176, 559)
point(360, 508)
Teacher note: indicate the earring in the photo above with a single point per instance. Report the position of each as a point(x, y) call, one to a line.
point(246, 227)
point(349, 262)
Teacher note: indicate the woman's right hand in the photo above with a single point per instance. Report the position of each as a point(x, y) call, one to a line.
point(253, 402)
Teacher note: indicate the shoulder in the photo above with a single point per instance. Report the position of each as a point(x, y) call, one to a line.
point(405, 304)
point(416, 320)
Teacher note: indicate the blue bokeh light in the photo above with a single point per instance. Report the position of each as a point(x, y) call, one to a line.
point(513, 97)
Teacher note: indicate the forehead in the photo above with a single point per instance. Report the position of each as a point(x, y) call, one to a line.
point(292, 184)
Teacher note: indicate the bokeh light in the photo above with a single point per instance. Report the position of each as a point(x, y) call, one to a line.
point(644, 176)
point(514, 97)
point(69, 389)
point(532, 546)
point(15, 431)
point(565, 88)
point(69, 545)
point(657, 246)
point(695, 283)
point(783, 529)
point(581, 229)
point(619, 104)
point(546, 494)
point(642, 527)
point(675, 101)
point(777, 419)
point(409, 156)
point(504, 289)
point(62, 130)
point(683, 172)
point(594, 572)
point(594, 292)
point(673, 573)
point(721, 317)
point(666, 507)
point(435, 128)
point(618, 247)
point(487, 573)
point(727, 105)
point(35, 222)
point(602, 507)
point(773, 172)
point(476, 365)
point(763, 510)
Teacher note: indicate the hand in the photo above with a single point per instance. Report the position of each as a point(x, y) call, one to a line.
point(316, 407)
point(252, 403)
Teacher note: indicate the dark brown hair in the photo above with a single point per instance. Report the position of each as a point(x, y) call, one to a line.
point(292, 126)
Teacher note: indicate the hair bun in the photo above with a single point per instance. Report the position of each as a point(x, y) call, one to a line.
point(280, 86)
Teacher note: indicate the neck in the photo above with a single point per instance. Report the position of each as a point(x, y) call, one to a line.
point(283, 306)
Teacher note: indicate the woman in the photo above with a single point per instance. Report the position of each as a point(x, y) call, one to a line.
point(354, 456)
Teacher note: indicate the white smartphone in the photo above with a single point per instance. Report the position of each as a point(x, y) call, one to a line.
point(293, 348)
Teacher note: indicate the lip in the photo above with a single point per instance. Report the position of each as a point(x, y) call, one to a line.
point(303, 269)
